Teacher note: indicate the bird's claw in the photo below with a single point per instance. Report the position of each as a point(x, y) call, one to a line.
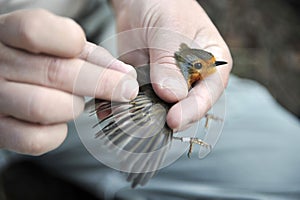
point(210, 116)
point(193, 141)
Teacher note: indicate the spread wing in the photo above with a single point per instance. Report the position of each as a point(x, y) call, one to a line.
point(136, 131)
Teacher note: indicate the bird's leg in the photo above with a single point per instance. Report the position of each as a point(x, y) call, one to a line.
point(192, 141)
point(209, 117)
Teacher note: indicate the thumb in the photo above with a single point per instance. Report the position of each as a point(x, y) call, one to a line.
point(167, 79)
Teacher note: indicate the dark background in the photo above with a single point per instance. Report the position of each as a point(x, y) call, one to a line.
point(264, 39)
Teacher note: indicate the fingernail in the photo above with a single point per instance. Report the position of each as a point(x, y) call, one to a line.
point(129, 89)
point(177, 87)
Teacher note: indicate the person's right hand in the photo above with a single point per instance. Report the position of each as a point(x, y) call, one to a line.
point(46, 66)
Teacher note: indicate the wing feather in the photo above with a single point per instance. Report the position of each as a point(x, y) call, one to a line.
point(138, 132)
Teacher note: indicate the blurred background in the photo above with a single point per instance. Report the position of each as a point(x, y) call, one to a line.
point(264, 38)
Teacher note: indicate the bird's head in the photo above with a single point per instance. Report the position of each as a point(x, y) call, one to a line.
point(195, 64)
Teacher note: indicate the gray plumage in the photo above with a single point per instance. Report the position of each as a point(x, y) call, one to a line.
point(136, 129)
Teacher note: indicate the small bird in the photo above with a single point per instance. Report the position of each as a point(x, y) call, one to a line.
point(137, 130)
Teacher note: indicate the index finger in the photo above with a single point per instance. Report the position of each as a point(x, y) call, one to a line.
point(39, 31)
point(71, 75)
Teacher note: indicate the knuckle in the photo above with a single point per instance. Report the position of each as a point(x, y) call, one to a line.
point(50, 108)
point(29, 26)
point(40, 12)
point(36, 149)
point(44, 139)
point(37, 144)
point(53, 72)
point(61, 73)
point(88, 51)
point(76, 36)
point(107, 85)
point(37, 108)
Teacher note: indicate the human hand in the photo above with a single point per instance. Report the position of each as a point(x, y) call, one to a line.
point(46, 67)
point(185, 18)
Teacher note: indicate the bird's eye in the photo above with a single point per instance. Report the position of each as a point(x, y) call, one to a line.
point(198, 65)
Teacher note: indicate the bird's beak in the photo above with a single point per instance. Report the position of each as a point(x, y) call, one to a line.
point(220, 63)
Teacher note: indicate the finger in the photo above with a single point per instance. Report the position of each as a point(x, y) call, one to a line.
point(40, 31)
point(195, 106)
point(166, 78)
point(32, 139)
point(38, 104)
point(169, 83)
point(204, 94)
point(188, 29)
point(99, 56)
point(71, 75)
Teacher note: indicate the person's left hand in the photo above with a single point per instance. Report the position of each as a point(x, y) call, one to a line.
point(175, 22)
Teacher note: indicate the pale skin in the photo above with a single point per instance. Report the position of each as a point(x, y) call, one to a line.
point(41, 55)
